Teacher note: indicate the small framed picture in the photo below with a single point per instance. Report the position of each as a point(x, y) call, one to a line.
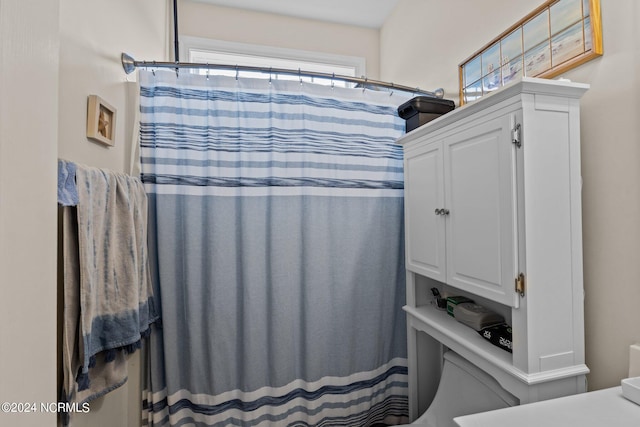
point(101, 120)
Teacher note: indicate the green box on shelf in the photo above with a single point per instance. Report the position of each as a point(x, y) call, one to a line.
point(453, 301)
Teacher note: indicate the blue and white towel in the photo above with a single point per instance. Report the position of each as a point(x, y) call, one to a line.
point(67, 189)
point(109, 303)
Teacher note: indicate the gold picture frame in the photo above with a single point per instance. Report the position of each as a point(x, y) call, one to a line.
point(101, 120)
point(555, 37)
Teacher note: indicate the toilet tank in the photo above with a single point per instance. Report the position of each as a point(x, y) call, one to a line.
point(464, 389)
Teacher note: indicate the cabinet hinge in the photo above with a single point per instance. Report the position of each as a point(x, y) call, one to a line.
point(520, 284)
point(515, 135)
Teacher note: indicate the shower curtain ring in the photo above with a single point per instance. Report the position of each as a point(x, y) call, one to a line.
point(300, 76)
point(237, 72)
point(207, 71)
point(270, 68)
point(392, 87)
point(333, 76)
point(364, 85)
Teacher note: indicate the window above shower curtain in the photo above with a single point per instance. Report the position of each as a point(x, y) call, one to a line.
point(208, 51)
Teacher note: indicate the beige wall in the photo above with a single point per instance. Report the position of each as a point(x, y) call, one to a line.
point(93, 34)
point(227, 24)
point(422, 44)
point(28, 126)
point(423, 41)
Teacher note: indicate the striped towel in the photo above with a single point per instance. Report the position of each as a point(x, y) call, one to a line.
point(109, 304)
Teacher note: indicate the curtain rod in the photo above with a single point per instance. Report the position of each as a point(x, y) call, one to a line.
point(129, 64)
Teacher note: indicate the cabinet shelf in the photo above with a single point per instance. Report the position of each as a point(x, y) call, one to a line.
point(469, 344)
point(459, 338)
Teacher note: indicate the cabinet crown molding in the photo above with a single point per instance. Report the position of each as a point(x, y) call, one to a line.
point(527, 85)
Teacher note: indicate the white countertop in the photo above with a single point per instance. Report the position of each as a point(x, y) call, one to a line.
point(607, 408)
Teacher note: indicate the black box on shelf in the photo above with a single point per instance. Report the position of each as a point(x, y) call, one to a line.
point(422, 109)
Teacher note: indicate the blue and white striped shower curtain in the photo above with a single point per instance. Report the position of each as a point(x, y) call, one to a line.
point(277, 236)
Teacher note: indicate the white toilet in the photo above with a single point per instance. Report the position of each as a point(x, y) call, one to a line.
point(464, 389)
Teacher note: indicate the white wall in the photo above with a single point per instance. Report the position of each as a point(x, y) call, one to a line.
point(93, 34)
point(28, 135)
point(228, 24)
point(422, 44)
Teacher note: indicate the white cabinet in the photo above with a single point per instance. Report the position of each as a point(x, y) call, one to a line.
point(424, 199)
point(460, 209)
point(493, 199)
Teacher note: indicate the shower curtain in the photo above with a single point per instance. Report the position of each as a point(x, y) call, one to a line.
point(276, 227)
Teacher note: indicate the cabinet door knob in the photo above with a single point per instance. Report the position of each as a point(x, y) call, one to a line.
point(438, 211)
point(444, 211)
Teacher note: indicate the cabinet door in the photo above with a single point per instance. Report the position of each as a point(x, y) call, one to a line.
point(425, 239)
point(479, 165)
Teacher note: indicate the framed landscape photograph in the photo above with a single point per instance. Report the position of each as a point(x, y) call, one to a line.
point(557, 36)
